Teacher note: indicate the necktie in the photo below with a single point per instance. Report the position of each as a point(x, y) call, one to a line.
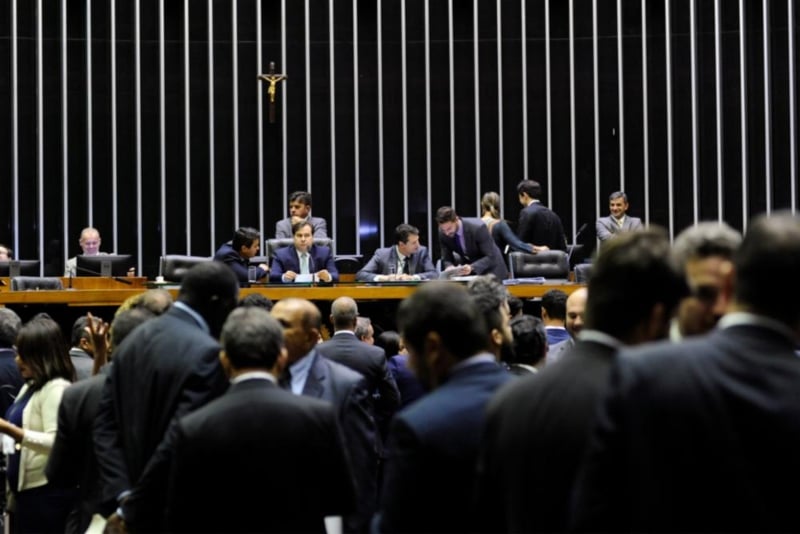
point(619, 222)
point(304, 263)
point(406, 267)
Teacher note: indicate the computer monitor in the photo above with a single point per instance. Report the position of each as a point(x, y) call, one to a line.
point(26, 268)
point(104, 265)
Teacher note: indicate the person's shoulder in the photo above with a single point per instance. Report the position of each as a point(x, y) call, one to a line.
point(340, 373)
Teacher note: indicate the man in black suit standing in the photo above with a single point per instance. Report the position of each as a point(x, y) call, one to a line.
point(703, 435)
point(466, 246)
point(368, 360)
point(165, 369)
point(537, 223)
point(537, 428)
point(288, 446)
point(311, 374)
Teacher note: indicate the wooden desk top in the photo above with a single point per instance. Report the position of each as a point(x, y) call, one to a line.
point(114, 295)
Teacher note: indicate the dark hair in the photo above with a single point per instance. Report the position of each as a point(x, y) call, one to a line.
point(9, 252)
point(251, 337)
point(515, 305)
point(296, 227)
point(389, 341)
point(124, 323)
point(448, 310)
point(632, 273)
point(446, 214)
point(10, 324)
point(303, 197)
point(532, 188)
point(770, 251)
point(79, 329)
point(555, 302)
point(256, 300)
point(618, 194)
point(244, 237)
point(41, 345)
point(530, 339)
point(403, 231)
point(489, 295)
point(212, 290)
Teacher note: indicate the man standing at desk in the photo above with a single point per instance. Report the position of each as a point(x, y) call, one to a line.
point(303, 257)
point(538, 224)
point(406, 260)
point(300, 210)
point(467, 246)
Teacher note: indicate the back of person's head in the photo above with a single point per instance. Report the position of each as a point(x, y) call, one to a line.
point(304, 197)
point(633, 274)
point(79, 330)
point(389, 341)
point(10, 323)
point(490, 202)
point(244, 237)
point(362, 331)
point(403, 231)
point(446, 214)
point(41, 347)
point(704, 240)
point(344, 312)
point(251, 338)
point(490, 296)
point(156, 301)
point(770, 253)
point(447, 310)
point(211, 289)
point(618, 194)
point(555, 303)
point(515, 305)
point(124, 323)
point(530, 339)
point(531, 188)
point(256, 300)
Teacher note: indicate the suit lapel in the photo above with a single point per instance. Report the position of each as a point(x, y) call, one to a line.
point(316, 377)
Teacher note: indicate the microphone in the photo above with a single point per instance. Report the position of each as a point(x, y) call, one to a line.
point(580, 230)
point(95, 273)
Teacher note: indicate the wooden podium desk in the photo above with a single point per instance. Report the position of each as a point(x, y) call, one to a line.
point(96, 291)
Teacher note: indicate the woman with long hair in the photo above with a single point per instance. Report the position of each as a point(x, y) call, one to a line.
point(499, 229)
point(31, 422)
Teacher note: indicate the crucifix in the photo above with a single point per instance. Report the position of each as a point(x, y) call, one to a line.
point(273, 80)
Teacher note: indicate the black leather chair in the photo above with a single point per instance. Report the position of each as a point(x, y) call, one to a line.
point(25, 283)
point(547, 264)
point(583, 271)
point(174, 266)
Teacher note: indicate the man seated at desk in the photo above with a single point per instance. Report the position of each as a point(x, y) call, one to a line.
point(406, 260)
point(303, 257)
point(90, 246)
point(300, 210)
point(236, 254)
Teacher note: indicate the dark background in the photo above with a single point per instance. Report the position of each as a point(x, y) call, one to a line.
point(363, 195)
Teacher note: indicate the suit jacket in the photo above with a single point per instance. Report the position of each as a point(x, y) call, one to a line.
point(237, 263)
point(288, 447)
point(82, 361)
point(433, 446)
point(536, 434)
point(370, 362)
point(700, 435)
point(10, 379)
point(407, 382)
point(164, 369)
point(541, 226)
point(286, 260)
point(384, 261)
point(347, 390)
point(606, 227)
point(480, 249)
point(283, 228)
point(72, 461)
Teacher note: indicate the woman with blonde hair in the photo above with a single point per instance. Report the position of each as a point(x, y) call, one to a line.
point(499, 229)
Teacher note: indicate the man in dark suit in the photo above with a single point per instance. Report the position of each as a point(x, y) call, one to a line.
point(537, 428)
point(166, 368)
point(433, 443)
point(311, 374)
point(470, 240)
point(537, 223)
point(406, 260)
point(703, 435)
point(300, 210)
point(619, 221)
point(10, 379)
point(289, 447)
point(236, 254)
point(366, 359)
point(72, 460)
point(303, 257)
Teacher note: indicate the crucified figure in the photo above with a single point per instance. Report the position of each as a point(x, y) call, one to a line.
point(273, 79)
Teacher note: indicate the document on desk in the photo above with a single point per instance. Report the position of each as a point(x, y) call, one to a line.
point(463, 278)
point(518, 281)
point(304, 279)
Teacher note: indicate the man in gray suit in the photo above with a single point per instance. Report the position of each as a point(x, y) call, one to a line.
point(406, 260)
point(300, 210)
point(619, 221)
